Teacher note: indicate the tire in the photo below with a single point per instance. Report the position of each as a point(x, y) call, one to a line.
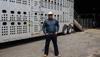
point(65, 30)
point(70, 29)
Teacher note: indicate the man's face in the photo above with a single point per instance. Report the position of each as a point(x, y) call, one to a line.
point(50, 16)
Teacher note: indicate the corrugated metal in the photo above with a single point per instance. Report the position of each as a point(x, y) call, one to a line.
point(86, 22)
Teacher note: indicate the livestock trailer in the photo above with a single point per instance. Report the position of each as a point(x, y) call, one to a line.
point(22, 19)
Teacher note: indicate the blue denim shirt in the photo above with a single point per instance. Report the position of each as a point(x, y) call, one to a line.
point(50, 26)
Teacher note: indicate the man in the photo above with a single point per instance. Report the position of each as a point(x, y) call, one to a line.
point(50, 28)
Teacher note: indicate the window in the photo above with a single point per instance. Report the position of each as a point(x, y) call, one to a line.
point(12, 30)
point(61, 7)
point(72, 0)
point(4, 11)
point(55, 5)
point(19, 29)
point(24, 13)
point(12, 12)
point(19, 23)
point(58, 17)
point(55, 16)
point(12, 17)
point(51, 4)
point(42, 17)
point(35, 13)
point(12, 0)
point(35, 28)
point(12, 23)
point(24, 2)
point(4, 30)
point(4, 17)
point(35, 17)
point(29, 2)
point(4, 0)
point(18, 12)
point(18, 1)
point(58, 6)
point(24, 29)
point(48, 0)
point(61, 18)
point(45, 3)
point(42, 3)
point(25, 23)
point(35, 3)
point(48, 5)
point(55, 0)
point(4, 23)
point(45, 14)
point(41, 14)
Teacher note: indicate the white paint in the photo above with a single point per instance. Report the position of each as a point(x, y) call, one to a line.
point(66, 16)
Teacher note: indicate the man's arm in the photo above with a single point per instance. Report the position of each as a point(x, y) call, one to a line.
point(57, 26)
point(44, 27)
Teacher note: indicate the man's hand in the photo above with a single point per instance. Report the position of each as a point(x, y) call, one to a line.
point(56, 33)
point(46, 33)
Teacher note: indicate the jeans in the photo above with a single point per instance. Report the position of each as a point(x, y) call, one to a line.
point(52, 37)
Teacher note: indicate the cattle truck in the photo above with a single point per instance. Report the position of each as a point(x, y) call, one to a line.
point(22, 19)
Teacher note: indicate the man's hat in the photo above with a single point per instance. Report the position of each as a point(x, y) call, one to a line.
point(50, 13)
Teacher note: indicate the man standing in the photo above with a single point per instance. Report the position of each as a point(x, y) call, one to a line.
point(50, 28)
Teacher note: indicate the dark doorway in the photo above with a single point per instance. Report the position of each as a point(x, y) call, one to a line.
point(98, 20)
point(90, 10)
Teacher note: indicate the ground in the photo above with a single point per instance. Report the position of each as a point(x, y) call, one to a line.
point(73, 45)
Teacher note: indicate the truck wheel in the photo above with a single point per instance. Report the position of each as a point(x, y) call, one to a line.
point(70, 29)
point(65, 30)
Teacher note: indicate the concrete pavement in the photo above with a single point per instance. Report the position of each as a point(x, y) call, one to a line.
point(72, 45)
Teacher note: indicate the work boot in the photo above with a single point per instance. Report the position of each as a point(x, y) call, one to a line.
point(58, 56)
point(44, 55)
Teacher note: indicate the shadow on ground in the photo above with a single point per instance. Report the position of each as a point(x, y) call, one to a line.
point(21, 42)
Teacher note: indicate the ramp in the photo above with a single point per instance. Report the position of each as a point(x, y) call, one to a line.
point(77, 26)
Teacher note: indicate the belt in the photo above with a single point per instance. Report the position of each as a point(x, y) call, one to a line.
point(51, 33)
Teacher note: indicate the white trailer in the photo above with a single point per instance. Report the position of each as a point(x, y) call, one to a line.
point(22, 19)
